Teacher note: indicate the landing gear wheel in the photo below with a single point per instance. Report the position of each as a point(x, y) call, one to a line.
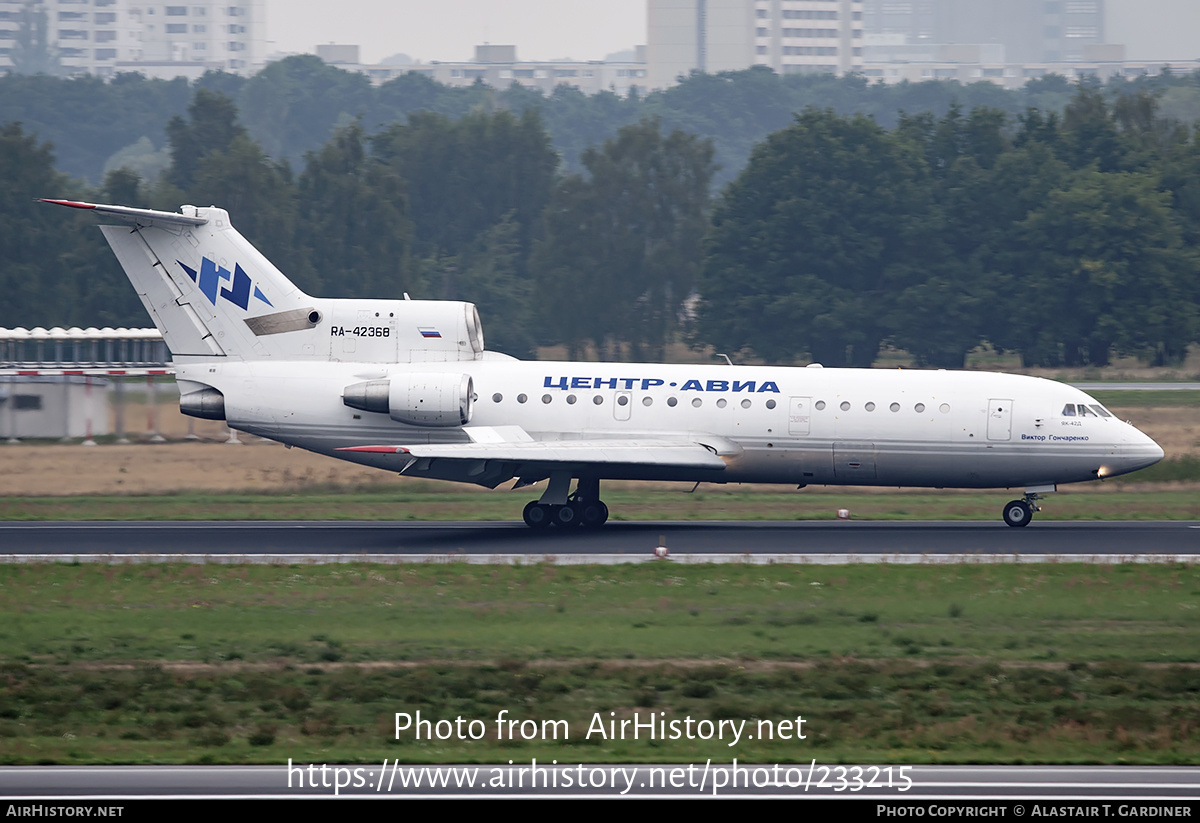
point(536, 515)
point(592, 513)
point(1018, 513)
point(565, 516)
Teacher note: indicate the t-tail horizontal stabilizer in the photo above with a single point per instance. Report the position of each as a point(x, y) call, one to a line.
point(209, 291)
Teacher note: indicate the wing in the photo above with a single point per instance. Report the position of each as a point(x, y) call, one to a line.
point(671, 453)
point(500, 453)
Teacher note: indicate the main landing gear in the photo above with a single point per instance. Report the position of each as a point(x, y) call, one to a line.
point(1020, 512)
point(582, 508)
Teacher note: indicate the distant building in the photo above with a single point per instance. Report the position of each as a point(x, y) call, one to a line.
point(338, 55)
point(1009, 42)
point(790, 36)
point(104, 37)
point(1030, 31)
point(498, 66)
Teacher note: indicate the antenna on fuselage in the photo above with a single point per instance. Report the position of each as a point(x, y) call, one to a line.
point(721, 354)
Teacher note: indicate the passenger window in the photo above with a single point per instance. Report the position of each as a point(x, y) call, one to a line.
point(1068, 410)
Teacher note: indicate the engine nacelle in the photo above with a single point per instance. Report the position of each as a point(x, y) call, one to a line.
point(435, 400)
point(207, 403)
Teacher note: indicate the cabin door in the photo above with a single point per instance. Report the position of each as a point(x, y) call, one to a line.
point(999, 419)
point(799, 415)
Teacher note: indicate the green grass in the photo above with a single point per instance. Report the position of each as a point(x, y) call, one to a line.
point(1165, 398)
point(966, 663)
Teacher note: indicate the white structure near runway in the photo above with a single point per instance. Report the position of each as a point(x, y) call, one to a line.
point(54, 382)
point(53, 407)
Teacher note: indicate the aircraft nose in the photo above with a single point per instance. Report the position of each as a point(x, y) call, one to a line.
point(1143, 451)
point(1157, 452)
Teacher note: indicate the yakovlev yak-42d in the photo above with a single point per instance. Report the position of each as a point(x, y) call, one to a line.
point(407, 385)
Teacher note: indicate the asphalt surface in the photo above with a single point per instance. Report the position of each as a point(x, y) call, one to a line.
point(1141, 784)
point(1108, 539)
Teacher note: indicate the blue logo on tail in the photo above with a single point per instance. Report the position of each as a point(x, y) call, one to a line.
point(209, 280)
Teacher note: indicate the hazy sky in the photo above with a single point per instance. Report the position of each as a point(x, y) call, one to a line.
point(450, 29)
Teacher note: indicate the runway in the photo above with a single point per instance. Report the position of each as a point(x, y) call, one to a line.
point(1162, 786)
point(703, 542)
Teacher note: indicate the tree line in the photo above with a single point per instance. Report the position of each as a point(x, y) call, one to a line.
point(295, 105)
point(1066, 237)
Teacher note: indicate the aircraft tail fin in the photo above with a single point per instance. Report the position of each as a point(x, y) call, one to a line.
point(207, 289)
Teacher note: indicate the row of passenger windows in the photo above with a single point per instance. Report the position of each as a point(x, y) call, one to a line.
point(623, 400)
point(919, 408)
point(1069, 410)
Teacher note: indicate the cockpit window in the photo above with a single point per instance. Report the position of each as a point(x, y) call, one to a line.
point(1084, 411)
point(1100, 410)
point(1068, 410)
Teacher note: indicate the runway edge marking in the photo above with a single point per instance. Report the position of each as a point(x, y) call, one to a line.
point(610, 559)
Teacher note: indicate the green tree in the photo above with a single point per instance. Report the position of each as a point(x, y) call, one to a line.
point(57, 269)
point(940, 317)
point(29, 233)
point(353, 213)
point(260, 197)
point(489, 274)
point(296, 104)
point(622, 251)
point(465, 176)
point(1105, 270)
point(830, 220)
point(211, 127)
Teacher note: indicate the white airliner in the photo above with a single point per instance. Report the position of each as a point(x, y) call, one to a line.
point(407, 385)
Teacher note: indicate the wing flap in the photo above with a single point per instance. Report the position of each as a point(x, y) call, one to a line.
point(682, 454)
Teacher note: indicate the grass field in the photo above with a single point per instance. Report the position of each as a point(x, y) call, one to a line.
point(966, 663)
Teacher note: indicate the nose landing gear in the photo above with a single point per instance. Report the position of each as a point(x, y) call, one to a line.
point(1020, 512)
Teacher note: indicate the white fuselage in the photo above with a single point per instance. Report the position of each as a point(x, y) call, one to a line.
point(408, 385)
point(944, 429)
